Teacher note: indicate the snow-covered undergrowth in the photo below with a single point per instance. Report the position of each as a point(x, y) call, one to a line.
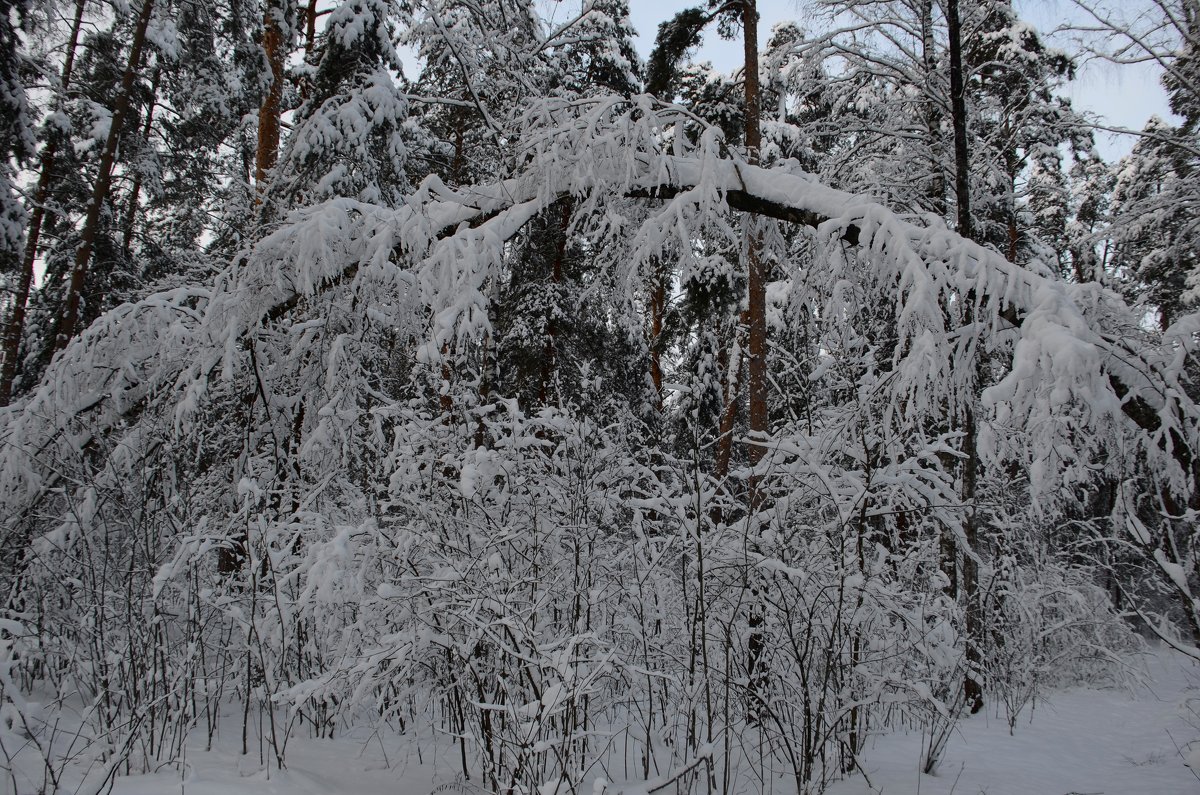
point(1133, 738)
point(537, 613)
point(296, 505)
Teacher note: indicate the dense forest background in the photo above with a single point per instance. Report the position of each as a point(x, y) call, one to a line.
point(578, 413)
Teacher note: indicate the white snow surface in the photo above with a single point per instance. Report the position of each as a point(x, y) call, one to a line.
point(1100, 742)
point(1080, 740)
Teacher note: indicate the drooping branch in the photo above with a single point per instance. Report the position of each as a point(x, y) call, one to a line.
point(111, 373)
point(437, 225)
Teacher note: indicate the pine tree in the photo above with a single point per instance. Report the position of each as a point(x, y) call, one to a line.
point(1156, 226)
point(597, 55)
point(1091, 186)
point(89, 236)
point(199, 185)
point(554, 343)
point(1154, 208)
point(16, 132)
point(1018, 125)
point(348, 139)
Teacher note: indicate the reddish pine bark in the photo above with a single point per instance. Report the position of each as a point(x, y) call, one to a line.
point(267, 150)
point(91, 226)
point(14, 329)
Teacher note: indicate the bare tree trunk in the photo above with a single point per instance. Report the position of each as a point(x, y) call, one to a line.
point(970, 472)
point(135, 193)
point(970, 564)
point(14, 329)
point(310, 46)
point(757, 365)
point(310, 30)
point(948, 544)
point(933, 114)
point(268, 114)
point(658, 308)
point(1012, 167)
point(756, 312)
point(757, 303)
point(446, 398)
point(91, 226)
point(958, 112)
point(731, 365)
point(550, 352)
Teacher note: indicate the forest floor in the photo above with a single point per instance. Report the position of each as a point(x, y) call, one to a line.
point(1077, 741)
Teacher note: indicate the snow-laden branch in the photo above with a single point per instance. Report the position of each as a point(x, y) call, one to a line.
point(438, 251)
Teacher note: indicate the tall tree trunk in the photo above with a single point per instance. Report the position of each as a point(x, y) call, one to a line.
point(658, 309)
point(970, 471)
point(958, 112)
point(91, 225)
point(729, 359)
point(972, 688)
point(757, 303)
point(757, 365)
point(268, 114)
point(310, 47)
point(1013, 168)
point(136, 192)
point(550, 351)
point(310, 31)
point(446, 397)
point(933, 113)
point(756, 311)
point(14, 329)
point(948, 546)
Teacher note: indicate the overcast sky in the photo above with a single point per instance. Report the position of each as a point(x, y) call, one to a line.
point(1124, 97)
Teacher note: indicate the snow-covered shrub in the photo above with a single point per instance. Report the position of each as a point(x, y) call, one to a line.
point(1049, 626)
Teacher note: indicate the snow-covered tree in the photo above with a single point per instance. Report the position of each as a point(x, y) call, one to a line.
point(348, 139)
point(16, 129)
point(1156, 223)
point(524, 406)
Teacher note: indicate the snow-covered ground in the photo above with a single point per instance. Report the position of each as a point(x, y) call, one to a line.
point(1114, 742)
point(1075, 741)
